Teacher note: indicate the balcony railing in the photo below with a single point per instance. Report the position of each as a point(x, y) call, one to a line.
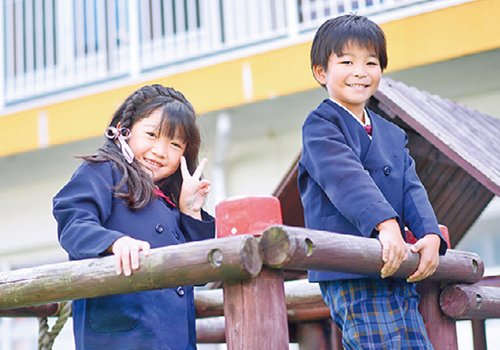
point(48, 46)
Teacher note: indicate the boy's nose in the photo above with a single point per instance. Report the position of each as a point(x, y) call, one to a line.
point(359, 73)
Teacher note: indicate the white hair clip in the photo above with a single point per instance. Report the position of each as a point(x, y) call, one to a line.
point(121, 135)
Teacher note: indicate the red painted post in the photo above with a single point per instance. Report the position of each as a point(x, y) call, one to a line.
point(255, 310)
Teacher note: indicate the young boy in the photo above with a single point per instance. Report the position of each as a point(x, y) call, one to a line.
point(356, 177)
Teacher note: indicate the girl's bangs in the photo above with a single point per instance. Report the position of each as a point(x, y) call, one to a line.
point(174, 121)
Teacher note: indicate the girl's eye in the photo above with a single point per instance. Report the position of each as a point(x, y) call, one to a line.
point(345, 62)
point(151, 134)
point(176, 145)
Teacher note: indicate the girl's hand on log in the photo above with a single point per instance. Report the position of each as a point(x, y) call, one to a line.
point(428, 248)
point(394, 248)
point(126, 250)
point(194, 190)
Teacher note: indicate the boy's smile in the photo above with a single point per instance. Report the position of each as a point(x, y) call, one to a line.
point(351, 78)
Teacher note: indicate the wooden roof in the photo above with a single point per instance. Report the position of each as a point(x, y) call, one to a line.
point(456, 149)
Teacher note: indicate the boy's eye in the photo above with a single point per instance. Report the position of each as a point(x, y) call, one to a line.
point(345, 62)
point(373, 63)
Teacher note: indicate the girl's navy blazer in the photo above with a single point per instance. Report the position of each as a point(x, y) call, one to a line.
point(90, 218)
point(349, 183)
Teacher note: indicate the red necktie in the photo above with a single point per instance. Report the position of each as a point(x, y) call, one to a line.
point(160, 193)
point(368, 129)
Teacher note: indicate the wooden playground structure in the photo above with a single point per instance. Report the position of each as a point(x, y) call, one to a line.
point(256, 308)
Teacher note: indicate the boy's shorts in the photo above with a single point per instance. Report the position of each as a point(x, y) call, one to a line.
point(376, 313)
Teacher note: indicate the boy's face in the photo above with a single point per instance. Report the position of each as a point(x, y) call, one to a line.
point(351, 78)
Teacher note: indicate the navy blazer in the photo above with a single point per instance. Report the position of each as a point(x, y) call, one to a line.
point(89, 220)
point(349, 183)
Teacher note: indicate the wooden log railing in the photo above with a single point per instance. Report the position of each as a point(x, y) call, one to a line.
point(470, 302)
point(242, 258)
point(191, 263)
point(304, 249)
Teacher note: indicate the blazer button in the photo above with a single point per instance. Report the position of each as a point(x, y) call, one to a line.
point(387, 170)
point(159, 228)
point(176, 234)
point(180, 291)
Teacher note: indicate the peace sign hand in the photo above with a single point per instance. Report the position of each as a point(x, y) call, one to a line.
point(194, 190)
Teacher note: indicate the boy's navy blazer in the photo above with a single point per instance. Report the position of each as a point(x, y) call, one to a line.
point(349, 183)
point(90, 218)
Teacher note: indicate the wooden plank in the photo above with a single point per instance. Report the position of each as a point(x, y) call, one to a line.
point(184, 264)
point(287, 193)
point(433, 125)
point(462, 223)
point(305, 249)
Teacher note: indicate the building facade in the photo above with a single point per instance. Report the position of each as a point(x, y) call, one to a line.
point(65, 65)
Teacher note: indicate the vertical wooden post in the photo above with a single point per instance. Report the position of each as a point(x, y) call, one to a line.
point(336, 336)
point(441, 329)
point(255, 310)
point(479, 334)
point(312, 336)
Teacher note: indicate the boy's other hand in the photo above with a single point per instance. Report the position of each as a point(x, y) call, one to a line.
point(428, 248)
point(394, 248)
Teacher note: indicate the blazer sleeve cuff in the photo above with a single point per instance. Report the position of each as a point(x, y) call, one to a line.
point(372, 215)
point(198, 229)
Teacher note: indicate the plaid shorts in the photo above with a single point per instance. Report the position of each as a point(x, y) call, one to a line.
point(376, 314)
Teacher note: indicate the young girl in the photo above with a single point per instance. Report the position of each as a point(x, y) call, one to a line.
point(137, 193)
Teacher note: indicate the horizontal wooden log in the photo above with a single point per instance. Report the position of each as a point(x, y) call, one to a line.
point(470, 302)
point(312, 314)
point(490, 281)
point(305, 249)
point(210, 330)
point(208, 302)
point(33, 311)
point(303, 301)
point(232, 258)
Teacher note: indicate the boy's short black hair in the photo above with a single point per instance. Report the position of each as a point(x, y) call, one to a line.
point(333, 35)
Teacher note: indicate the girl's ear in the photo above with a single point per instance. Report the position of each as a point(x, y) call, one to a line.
point(319, 74)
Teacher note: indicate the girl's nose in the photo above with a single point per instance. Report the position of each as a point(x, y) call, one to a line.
point(160, 149)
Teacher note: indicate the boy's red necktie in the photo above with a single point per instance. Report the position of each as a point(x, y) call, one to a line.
point(368, 129)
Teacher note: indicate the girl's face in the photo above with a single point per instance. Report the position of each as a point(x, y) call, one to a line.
point(159, 155)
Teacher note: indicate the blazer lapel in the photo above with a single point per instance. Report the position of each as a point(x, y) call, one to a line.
point(371, 151)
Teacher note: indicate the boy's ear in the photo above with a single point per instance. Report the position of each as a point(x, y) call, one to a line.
point(319, 74)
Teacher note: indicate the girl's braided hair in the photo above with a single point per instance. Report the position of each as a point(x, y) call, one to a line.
point(178, 118)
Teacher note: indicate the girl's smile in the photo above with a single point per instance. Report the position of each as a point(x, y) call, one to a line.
point(158, 154)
